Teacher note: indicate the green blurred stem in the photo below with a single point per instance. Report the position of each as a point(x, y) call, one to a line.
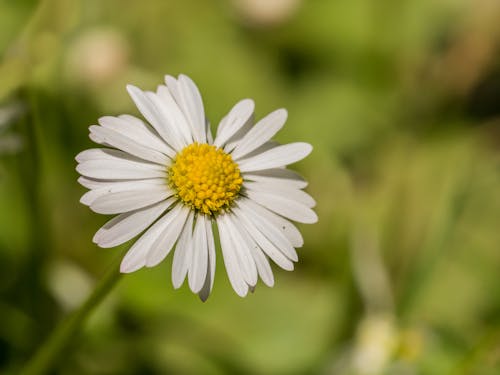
point(47, 355)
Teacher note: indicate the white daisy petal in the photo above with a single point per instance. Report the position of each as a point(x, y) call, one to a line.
point(175, 115)
point(168, 236)
point(234, 121)
point(125, 201)
point(265, 147)
point(277, 175)
point(263, 266)
point(110, 137)
point(103, 163)
point(102, 188)
point(235, 139)
point(120, 170)
point(267, 246)
point(233, 269)
point(126, 226)
point(209, 280)
point(183, 253)
point(242, 251)
point(199, 261)
point(210, 138)
point(188, 98)
point(173, 88)
point(262, 132)
point(276, 157)
point(281, 190)
point(112, 154)
point(100, 154)
point(165, 109)
point(151, 113)
point(96, 184)
point(88, 182)
point(136, 129)
point(284, 206)
point(259, 259)
point(289, 230)
point(137, 255)
point(272, 232)
point(193, 106)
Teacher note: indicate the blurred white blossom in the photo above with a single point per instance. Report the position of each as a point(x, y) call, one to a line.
point(97, 56)
point(9, 142)
point(265, 12)
point(69, 284)
point(376, 339)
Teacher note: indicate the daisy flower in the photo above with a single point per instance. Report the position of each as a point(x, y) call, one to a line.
point(171, 180)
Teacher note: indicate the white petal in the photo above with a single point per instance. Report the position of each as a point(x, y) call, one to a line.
point(111, 137)
point(101, 188)
point(171, 129)
point(276, 157)
point(124, 201)
point(242, 251)
point(265, 147)
point(177, 118)
point(188, 98)
point(109, 154)
point(262, 132)
point(114, 164)
point(267, 247)
point(273, 233)
point(277, 175)
point(263, 267)
point(192, 106)
point(259, 259)
point(137, 255)
point(234, 121)
point(236, 138)
point(210, 138)
point(281, 190)
point(289, 230)
point(168, 236)
point(89, 183)
point(183, 253)
point(109, 169)
point(233, 270)
point(150, 111)
point(173, 88)
point(101, 153)
point(90, 196)
point(209, 280)
point(199, 259)
point(284, 206)
point(137, 130)
point(126, 226)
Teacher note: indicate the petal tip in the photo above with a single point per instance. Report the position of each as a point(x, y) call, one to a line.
point(307, 148)
point(282, 112)
point(203, 296)
point(129, 268)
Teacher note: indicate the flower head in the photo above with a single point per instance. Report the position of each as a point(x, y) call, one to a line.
point(170, 180)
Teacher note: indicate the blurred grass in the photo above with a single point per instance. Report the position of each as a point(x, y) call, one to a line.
point(400, 100)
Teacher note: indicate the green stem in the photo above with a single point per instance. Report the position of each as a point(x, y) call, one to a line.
point(47, 355)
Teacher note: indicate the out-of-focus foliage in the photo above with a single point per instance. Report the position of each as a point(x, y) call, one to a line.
point(401, 102)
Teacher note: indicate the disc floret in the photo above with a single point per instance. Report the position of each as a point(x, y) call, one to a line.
point(205, 178)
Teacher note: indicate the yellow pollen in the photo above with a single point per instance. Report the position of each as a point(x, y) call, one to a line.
point(205, 178)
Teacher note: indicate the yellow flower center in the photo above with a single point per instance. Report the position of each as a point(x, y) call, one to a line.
point(205, 178)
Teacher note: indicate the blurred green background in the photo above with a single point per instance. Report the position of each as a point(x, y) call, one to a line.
point(401, 100)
